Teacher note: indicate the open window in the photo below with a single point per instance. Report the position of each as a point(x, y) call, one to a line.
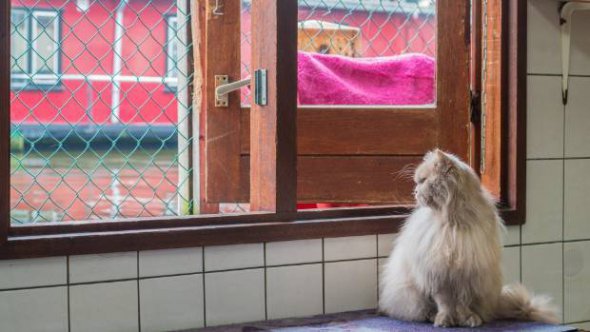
point(266, 145)
point(347, 152)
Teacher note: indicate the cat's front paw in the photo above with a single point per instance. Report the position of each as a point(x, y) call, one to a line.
point(471, 320)
point(443, 319)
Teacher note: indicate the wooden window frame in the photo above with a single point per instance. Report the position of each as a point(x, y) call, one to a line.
point(284, 224)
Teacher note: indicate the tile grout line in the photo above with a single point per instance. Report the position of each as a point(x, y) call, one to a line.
point(377, 260)
point(563, 217)
point(138, 297)
point(68, 293)
point(265, 281)
point(107, 281)
point(323, 279)
point(204, 288)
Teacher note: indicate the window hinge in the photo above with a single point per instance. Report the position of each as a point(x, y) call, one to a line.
point(475, 107)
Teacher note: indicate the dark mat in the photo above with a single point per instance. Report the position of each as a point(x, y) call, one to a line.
point(368, 321)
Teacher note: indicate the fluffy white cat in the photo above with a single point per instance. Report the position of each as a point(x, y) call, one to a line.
point(445, 264)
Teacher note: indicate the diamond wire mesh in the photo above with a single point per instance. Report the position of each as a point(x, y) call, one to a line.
point(99, 107)
point(357, 28)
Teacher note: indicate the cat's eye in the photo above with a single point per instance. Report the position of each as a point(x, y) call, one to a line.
point(421, 180)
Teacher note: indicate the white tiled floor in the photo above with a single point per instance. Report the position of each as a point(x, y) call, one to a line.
point(544, 201)
point(30, 310)
point(350, 247)
point(351, 285)
point(234, 296)
point(294, 291)
point(87, 268)
point(104, 307)
point(172, 261)
point(294, 252)
point(33, 272)
point(577, 198)
point(542, 270)
point(171, 303)
point(234, 256)
point(577, 281)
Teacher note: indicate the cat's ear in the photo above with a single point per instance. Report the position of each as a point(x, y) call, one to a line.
point(443, 162)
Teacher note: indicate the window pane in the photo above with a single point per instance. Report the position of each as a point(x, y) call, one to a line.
point(172, 41)
point(361, 52)
point(18, 40)
point(108, 140)
point(45, 42)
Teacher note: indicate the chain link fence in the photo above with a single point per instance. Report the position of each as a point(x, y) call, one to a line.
point(100, 96)
point(100, 109)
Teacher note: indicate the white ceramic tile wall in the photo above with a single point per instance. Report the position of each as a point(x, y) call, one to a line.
point(33, 272)
point(171, 303)
point(511, 265)
point(542, 270)
point(167, 262)
point(544, 209)
point(234, 296)
point(294, 291)
point(293, 252)
point(37, 309)
point(111, 306)
point(350, 247)
point(577, 281)
point(252, 281)
point(350, 285)
point(88, 268)
point(234, 257)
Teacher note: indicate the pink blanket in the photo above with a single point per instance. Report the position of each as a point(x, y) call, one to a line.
point(337, 80)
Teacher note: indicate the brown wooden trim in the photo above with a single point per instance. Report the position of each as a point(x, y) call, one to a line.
point(273, 126)
point(476, 68)
point(359, 131)
point(493, 96)
point(453, 48)
point(350, 179)
point(102, 242)
point(206, 220)
point(4, 120)
point(515, 165)
point(220, 125)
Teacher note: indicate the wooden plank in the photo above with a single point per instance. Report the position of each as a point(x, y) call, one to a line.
point(273, 126)
point(195, 221)
point(221, 125)
point(493, 97)
point(199, 35)
point(453, 48)
point(514, 165)
point(4, 121)
point(351, 179)
point(359, 131)
point(181, 237)
point(476, 72)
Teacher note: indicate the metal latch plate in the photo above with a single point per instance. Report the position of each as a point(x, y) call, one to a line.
point(221, 100)
point(260, 87)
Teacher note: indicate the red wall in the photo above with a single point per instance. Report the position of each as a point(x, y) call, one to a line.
point(87, 41)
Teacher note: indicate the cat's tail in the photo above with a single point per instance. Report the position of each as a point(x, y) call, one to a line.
point(517, 303)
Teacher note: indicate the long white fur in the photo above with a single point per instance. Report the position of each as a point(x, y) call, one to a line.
point(445, 266)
